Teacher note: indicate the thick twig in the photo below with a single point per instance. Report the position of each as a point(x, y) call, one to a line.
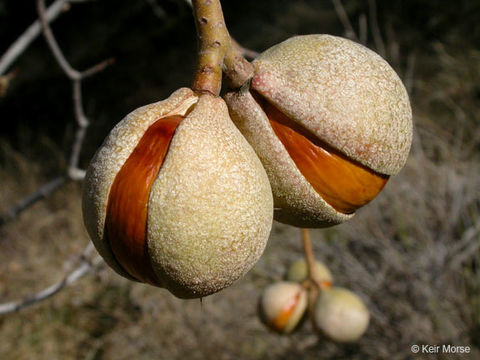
point(248, 53)
point(213, 41)
point(237, 69)
point(312, 286)
point(84, 267)
point(308, 252)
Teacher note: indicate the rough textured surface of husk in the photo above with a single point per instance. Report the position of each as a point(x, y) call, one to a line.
point(210, 208)
point(109, 159)
point(296, 202)
point(342, 92)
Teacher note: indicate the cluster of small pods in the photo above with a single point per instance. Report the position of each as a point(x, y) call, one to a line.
point(336, 313)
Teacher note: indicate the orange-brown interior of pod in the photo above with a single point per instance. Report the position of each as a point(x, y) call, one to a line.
point(281, 321)
point(127, 209)
point(343, 183)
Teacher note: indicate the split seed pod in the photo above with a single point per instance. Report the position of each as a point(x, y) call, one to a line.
point(298, 272)
point(282, 306)
point(175, 197)
point(330, 121)
point(340, 315)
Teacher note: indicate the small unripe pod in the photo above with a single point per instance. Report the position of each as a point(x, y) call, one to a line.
point(282, 306)
point(330, 121)
point(340, 315)
point(175, 197)
point(298, 272)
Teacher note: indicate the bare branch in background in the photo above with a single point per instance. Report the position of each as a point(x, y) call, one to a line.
point(408, 78)
point(31, 33)
point(377, 37)
point(73, 171)
point(343, 17)
point(393, 47)
point(465, 248)
point(249, 54)
point(5, 81)
point(85, 267)
point(363, 29)
point(31, 199)
point(158, 11)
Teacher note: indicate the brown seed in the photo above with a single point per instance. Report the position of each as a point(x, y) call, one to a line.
point(344, 184)
point(126, 220)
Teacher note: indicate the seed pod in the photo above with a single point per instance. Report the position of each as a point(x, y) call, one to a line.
point(175, 197)
point(340, 315)
point(330, 120)
point(282, 306)
point(298, 272)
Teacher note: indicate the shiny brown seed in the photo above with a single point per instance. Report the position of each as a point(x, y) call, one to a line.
point(126, 220)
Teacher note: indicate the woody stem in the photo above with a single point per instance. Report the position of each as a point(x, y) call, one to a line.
point(308, 252)
point(213, 40)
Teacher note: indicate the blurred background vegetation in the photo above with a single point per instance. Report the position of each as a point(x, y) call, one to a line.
point(412, 254)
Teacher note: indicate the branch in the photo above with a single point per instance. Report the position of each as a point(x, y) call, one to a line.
point(363, 29)
point(76, 77)
point(377, 37)
point(31, 199)
point(308, 252)
point(73, 171)
point(343, 17)
point(84, 267)
point(237, 69)
point(310, 284)
point(248, 53)
point(30, 34)
point(213, 40)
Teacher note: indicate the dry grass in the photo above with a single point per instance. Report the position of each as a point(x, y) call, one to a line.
point(412, 255)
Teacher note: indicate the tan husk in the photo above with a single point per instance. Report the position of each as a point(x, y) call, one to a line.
point(210, 207)
point(342, 92)
point(296, 202)
point(109, 159)
point(339, 91)
point(211, 179)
